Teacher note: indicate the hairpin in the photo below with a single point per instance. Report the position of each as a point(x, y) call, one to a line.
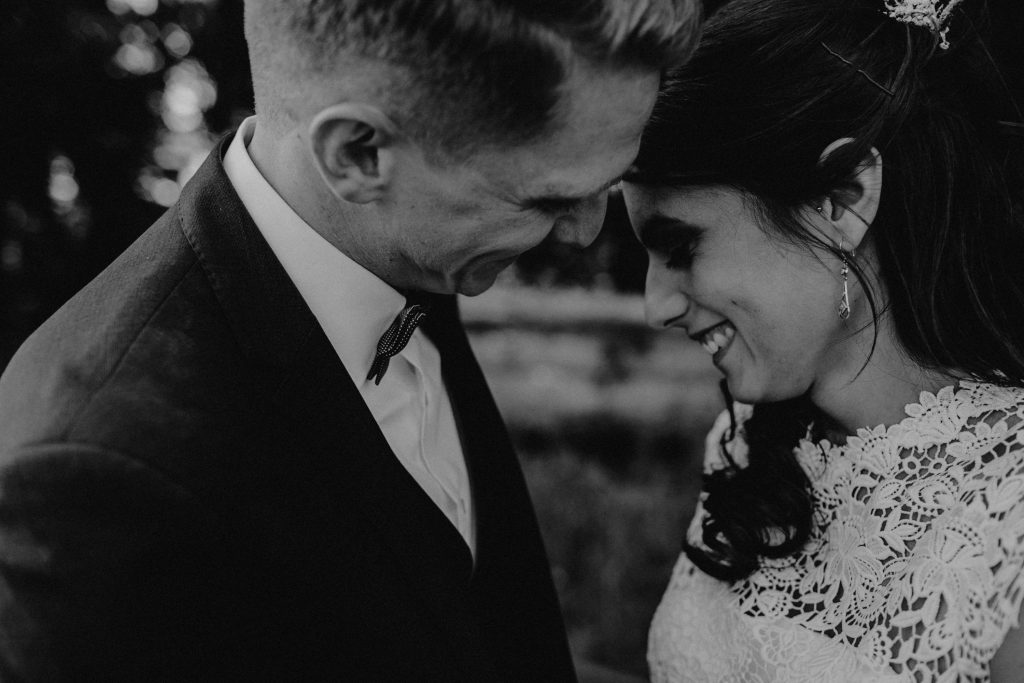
point(862, 72)
point(1011, 128)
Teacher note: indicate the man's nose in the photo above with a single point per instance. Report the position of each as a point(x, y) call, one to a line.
point(665, 299)
point(580, 227)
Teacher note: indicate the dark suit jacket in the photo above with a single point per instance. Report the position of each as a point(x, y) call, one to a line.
point(191, 488)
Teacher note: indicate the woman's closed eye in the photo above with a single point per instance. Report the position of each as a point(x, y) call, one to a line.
point(681, 255)
point(671, 238)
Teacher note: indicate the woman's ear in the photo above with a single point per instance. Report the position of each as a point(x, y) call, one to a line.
point(352, 147)
point(851, 208)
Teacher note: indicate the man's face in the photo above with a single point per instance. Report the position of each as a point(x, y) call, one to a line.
point(455, 228)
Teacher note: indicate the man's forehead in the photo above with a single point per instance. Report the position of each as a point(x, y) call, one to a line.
point(584, 155)
point(584, 167)
point(605, 96)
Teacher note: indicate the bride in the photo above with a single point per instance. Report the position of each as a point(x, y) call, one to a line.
point(831, 197)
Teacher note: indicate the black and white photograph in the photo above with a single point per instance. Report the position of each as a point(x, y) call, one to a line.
point(539, 341)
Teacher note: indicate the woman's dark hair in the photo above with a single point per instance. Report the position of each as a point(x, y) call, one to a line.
point(773, 83)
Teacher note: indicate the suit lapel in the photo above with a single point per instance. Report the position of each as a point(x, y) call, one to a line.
point(512, 594)
point(313, 392)
point(494, 475)
point(319, 398)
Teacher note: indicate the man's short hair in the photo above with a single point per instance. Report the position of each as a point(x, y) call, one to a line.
point(465, 73)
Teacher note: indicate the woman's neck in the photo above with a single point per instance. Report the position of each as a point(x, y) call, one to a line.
point(872, 388)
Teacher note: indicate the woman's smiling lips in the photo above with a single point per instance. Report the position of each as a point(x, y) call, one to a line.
point(716, 339)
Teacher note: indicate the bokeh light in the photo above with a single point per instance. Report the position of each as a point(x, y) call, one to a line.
point(143, 8)
point(63, 186)
point(184, 139)
point(189, 91)
point(65, 195)
point(177, 40)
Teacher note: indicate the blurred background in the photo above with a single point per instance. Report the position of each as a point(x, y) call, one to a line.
point(107, 107)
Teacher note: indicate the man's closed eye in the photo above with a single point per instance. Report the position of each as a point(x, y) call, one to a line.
point(555, 206)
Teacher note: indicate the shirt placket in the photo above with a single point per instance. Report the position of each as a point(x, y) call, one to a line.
point(432, 456)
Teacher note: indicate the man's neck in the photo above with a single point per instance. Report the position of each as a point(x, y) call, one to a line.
point(285, 164)
point(276, 159)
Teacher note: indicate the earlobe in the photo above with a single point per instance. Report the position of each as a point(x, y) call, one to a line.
point(851, 207)
point(351, 148)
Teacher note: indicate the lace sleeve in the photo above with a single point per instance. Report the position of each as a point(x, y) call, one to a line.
point(914, 570)
point(937, 503)
point(997, 442)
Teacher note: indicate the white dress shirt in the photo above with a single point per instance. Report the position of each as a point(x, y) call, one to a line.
point(354, 307)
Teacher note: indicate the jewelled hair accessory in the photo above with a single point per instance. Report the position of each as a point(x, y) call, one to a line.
point(929, 14)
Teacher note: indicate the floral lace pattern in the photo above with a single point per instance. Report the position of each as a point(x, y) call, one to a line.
point(913, 571)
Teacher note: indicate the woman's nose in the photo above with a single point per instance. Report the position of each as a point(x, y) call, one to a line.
point(665, 300)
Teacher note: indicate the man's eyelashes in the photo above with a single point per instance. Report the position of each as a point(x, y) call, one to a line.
point(556, 206)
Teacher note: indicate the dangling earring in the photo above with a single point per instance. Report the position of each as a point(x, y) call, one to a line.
point(844, 302)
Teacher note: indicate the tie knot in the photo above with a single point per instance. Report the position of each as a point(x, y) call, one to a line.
point(396, 337)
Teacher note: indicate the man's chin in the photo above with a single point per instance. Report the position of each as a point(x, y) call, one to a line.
point(480, 279)
point(473, 286)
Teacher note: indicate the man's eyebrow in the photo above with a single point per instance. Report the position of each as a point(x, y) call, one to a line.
point(662, 233)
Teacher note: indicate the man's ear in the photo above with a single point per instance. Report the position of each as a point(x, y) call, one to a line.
point(851, 208)
point(352, 147)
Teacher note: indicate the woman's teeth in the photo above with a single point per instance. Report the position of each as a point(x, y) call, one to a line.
point(718, 338)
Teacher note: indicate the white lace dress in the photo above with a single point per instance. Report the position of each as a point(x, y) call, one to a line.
point(913, 571)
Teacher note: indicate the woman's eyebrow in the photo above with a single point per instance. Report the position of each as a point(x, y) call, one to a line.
point(661, 233)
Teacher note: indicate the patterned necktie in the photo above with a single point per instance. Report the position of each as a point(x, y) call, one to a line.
point(396, 337)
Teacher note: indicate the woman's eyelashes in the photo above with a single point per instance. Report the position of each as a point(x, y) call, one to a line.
point(681, 256)
point(672, 239)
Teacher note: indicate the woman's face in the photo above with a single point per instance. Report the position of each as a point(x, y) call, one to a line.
point(764, 309)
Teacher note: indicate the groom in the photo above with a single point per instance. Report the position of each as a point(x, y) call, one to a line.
point(213, 467)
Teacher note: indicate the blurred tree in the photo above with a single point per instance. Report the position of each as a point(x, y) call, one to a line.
point(107, 108)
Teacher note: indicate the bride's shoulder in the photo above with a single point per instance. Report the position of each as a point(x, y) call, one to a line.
point(966, 419)
point(984, 398)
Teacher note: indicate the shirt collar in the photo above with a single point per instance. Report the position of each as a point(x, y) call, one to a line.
point(353, 306)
